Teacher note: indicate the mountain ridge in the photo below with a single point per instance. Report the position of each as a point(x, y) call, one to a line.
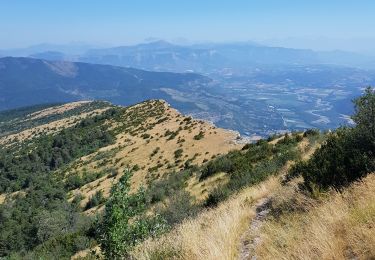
point(35, 81)
point(208, 57)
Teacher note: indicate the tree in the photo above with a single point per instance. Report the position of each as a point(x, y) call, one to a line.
point(347, 155)
point(125, 223)
point(364, 115)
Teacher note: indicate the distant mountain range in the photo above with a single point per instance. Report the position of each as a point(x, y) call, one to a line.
point(262, 101)
point(201, 58)
point(27, 81)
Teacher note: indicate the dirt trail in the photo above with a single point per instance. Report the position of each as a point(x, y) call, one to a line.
point(251, 238)
point(249, 244)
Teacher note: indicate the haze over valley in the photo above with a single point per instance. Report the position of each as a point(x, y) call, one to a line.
point(254, 89)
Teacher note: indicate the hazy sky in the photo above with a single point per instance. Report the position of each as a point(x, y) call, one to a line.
point(117, 22)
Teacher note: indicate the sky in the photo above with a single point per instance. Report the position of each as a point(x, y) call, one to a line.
point(335, 23)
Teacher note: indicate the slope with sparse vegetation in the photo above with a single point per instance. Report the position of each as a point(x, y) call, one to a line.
point(313, 210)
point(59, 162)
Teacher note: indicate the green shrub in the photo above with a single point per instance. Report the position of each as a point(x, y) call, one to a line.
point(347, 155)
point(95, 200)
point(124, 222)
point(216, 196)
point(178, 153)
point(255, 165)
point(298, 138)
point(222, 164)
point(311, 132)
point(342, 159)
point(155, 151)
point(161, 189)
point(199, 136)
point(145, 136)
point(77, 199)
point(180, 206)
point(248, 146)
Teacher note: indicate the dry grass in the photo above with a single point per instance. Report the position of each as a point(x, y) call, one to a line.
point(214, 234)
point(201, 189)
point(341, 226)
point(10, 196)
point(130, 150)
point(56, 110)
point(49, 128)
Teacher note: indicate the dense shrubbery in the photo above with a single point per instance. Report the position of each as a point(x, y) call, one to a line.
point(347, 155)
point(248, 168)
point(223, 164)
point(42, 223)
point(180, 206)
point(18, 166)
point(75, 181)
point(41, 218)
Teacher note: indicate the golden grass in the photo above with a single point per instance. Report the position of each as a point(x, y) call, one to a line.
point(214, 234)
point(49, 128)
point(340, 227)
point(10, 196)
point(200, 189)
point(56, 110)
point(133, 150)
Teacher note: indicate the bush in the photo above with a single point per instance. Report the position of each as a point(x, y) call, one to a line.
point(77, 199)
point(166, 187)
point(124, 222)
point(136, 168)
point(298, 138)
point(247, 146)
point(178, 153)
point(287, 140)
point(222, 164)
point(179, 207)
point(343, 159)
point(255, 165)
point(199, 136)
point(145, 136)
point(311, 132)
point(347, 155)
point(95, 200)
point(215, 197)
point(155, 151)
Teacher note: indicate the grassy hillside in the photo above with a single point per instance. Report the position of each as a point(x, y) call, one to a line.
point(216, 232)
point(339, 225)
point(318, 207)
point(93, 180)
point(70, 155)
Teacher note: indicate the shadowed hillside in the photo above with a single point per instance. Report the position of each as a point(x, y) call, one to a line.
point(26, 81)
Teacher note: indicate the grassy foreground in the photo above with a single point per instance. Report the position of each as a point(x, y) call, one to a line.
point(340, 226)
